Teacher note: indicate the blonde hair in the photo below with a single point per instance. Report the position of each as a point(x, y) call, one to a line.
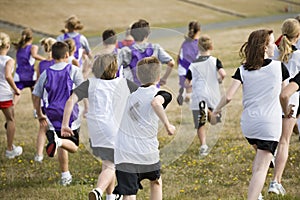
point(105, 66)
point(71, 24)
point(4, 40)
point(148, 70)
point(71, 44)
point(290, 31)
point(205, 43)
point(26, 36)
point(47, 43)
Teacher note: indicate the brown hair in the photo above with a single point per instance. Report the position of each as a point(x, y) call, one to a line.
point(290, 31)
point(4, 41)
point(148, 70)
point(59, 50)
point(140, 30)
point(204, 43)
point(109, 37)
point(105, 66)
point(26, 36)
point(47, 43)
point(194, 27)
point(71, 24)
point(71, 43)
point(252, 52)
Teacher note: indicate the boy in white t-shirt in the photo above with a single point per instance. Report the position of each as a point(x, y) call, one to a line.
point(136, 149)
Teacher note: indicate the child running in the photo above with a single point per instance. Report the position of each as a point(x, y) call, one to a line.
point(188, 53)
point(128, 40)
point(107, 96)
point(43, 65)
point(262, 80)
point(54, 87)
point(27, 53)
point(136, 150)
point(290, 56)
point(129, 56)
point(7, 84)
point(72, 49)
point(203, 76)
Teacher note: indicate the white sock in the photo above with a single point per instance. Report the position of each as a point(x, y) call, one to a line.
point(66, 174)
point(110, 197)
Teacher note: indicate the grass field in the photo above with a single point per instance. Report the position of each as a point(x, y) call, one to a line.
point(223, 174)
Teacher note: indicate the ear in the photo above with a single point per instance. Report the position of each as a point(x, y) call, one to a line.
point(67, 55)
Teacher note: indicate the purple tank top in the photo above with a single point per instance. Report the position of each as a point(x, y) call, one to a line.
point(24, 69)
point(59, 87)
point(190, 51)
point(77, 44)
point(136, 56)
point(45, 64)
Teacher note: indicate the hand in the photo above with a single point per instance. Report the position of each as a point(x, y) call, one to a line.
point(43, 121)
point(170, 129)
point(66, 131)
point(17, 91)
point(289, 112)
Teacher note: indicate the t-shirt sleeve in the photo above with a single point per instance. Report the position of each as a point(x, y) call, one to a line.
point(219, 64)
point(82, 90)
point(296, 79)
point(285, 72)
point(85, 44)
point(132, 86)
point(162, 55)
point(77, 76)
point(237, 75)
point(189, 75)
point(167, 97)
point(39, 86)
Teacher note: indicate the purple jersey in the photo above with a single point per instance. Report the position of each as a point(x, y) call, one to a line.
point(25, 69)
point(59, 88)
point(190, 51)
point(45, 64)
point(136, 56)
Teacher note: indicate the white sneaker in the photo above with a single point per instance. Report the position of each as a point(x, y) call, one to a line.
point(66, 181)
point(16, 151)
point(276, 188)
point(260, 197)
point(38, 158)
point(203, 150)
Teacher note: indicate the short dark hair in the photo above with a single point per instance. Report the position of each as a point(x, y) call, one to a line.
point(109, 37)
point(59, 50)
point(140, 30)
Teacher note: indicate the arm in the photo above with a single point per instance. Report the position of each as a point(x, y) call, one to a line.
point(228, 95)
point(34, 53)
point(8, 76)
point(75, 62)
point(222, 74)
point(169, 68)
point(285, 95)
point(157, 105)
point(37, 106)
point(65, 129)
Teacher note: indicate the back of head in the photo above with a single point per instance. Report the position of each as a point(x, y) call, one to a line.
point(205, 43)
point(252, 52)
point(4, 41)
point(59, 50)
point(194, 28)
point(298, 18)
point(140, 30)
point(290, 32)
point(148, 70)
point(71, 44)
point(109, 37)
point(105, 66)
point(72, 24)
point(47, 43)
point(26, 36)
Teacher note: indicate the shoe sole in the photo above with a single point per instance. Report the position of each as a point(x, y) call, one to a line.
point(51, 149)
point(273, 191)
point(201, 110)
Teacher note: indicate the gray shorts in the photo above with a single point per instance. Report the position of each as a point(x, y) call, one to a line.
point(104, 153)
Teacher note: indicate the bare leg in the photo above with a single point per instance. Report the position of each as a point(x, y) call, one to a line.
point(129, 197)
point(106, 179)
point(156, 189)
point(283, 147)
point(68, 145)
point(41, 140)
point(202, 135)
point(63, 159)
point(10, 131)
point(259, 172)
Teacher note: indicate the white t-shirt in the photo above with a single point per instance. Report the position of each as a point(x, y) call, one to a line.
point(262, 114)
point(137, 141)
point(6, 93)
point(205, 84)
point(107, 100)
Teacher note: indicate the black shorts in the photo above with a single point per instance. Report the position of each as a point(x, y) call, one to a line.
point(264, 144)
point(74, 138)
point(129, 183)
